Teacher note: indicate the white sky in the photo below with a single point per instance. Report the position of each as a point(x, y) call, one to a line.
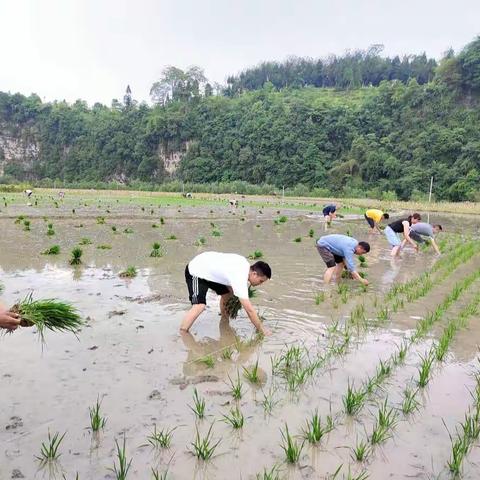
point(91, 49)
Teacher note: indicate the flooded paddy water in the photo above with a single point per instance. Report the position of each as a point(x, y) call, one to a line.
point(131, 356)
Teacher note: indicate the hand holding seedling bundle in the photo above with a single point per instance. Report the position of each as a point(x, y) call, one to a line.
point(47, 314)
point(233, 304)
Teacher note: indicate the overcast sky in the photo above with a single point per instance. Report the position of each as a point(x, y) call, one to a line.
point(91, 49)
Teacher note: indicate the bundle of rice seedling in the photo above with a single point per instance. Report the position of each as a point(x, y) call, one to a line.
point(47, 314)
point(233, 305)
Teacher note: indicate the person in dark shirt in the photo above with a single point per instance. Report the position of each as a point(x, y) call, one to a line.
point(401, 226)
point(329, 213)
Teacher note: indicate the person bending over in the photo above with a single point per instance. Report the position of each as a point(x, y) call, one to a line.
point(329, 213)
point(401, 226)
point(226, 274)
point(374, 217)
point(337, 252)
point(420, 230)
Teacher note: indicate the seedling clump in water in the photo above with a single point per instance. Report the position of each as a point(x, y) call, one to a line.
point(53, 250)
point(97, 420)
point(76, 258)
point(291, 447)
point(130, 272)
point(198, 405)
point(49, 450)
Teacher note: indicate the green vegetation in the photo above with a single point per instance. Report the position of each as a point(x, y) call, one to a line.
point(291, 447)
point(48, 314)
point(53, 250)
point(235, 418)
point(49, 450)
point(76, 256)
point(236, 387)
point(204, 447)
point(157, 250)
point(256, 255)
point(104, 246)
point(198, 405)
point(161, 438)
point(121, 470)
point(251, 374)
point(130, 272)
point(97, 420)
point(85, 241)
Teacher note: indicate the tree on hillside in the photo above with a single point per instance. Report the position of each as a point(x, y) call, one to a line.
point(177, 84)
point(469, 60)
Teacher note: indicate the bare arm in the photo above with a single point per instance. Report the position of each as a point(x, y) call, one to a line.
point(357, 276)
point(253, 316)
point(406, 234)
point(435, 246)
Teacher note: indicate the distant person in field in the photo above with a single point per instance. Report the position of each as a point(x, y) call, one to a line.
point(28, 193)
point(420, 230)
point(226, 274)
point(329, 213)
point(374, 217)
point(337, 252)
point(401, 226)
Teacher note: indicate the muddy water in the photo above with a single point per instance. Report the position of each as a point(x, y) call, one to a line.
point(131, 356)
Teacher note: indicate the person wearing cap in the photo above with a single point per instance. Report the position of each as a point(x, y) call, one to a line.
point(337, 252)
point(374, 217)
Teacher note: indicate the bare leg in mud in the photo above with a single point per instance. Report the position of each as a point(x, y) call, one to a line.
point(191, 316)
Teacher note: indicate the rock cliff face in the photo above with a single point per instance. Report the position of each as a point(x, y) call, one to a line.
point(18, 148)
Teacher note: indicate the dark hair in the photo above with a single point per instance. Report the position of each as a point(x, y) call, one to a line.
point(416, 216)
point(386, 215)
point(439, 227)
point(365, 246)
point(262, 268)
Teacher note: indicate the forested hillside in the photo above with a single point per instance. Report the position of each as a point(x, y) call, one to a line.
point(381, 132)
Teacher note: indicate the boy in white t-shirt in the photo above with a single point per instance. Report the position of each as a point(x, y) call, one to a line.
point(226, 274)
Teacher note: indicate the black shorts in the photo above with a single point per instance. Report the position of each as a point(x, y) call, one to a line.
point(370, 221)
point(417, 237)
point(328, 257)
point(198, 288)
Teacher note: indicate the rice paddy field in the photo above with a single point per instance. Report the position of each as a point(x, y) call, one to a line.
point(380, 382)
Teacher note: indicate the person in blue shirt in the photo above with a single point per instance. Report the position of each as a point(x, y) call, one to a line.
point(329, 212)
point(337, 252)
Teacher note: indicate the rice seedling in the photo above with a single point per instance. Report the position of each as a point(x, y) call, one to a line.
point(97, 420)
point(425, 368)
point(314, 431)
point(26, 225)
point(311, 233)
point(363, 475)
point(256, 254)
point(216, 233)
point(251, 374)
point(76, 256)
point(130, 272)
point(203, 447)
point(459, 451)
point(200, 241)
point(171, 237)
point(162, 221)
point(50, 230)
point(410, 403)
point(319, 298)
point(73, 211)
point(49, 450)
point(383, 314)
point(383, 370)
point(362, 259)
point(227, 353)
point(297, 239)
point(47, 314)
point(269, 402)
point(104, 246)
point(343, 291)
point(159, 476)
point(441, 347)
point(157, 250)
point(385, 422)
point(358, 316)
point(471, 427)
point(19, 219)
point(236, 387)
point(85, 241)
point(353, 400)
point(271, 474)
point(198, 405)
point(114, 229)
point(128, 230)
point(361, 451)
point(53, 250)
point(154, 225)
point(235, 418)
point(100, 220)
point(291, 447)
point(121, 471)
point(233, 305)
point(161, 438)
point(207, 360)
